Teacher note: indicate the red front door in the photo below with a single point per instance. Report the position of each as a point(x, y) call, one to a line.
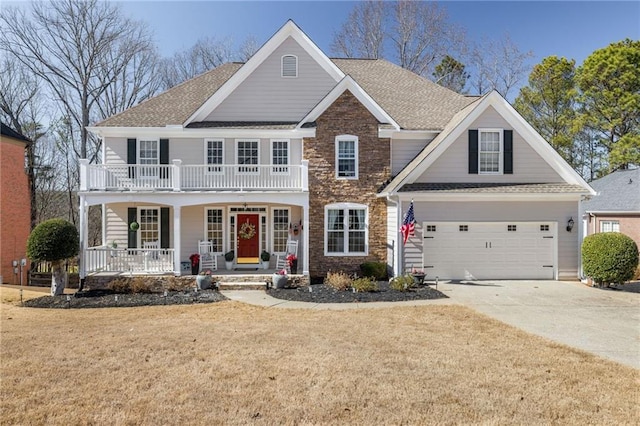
point(248, 238)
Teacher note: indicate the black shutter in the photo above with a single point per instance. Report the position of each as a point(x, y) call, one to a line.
point(164, 157)
point(508, 152)
point(164, 227)
point(132, 216)
point(131, 156)
point(473, 152)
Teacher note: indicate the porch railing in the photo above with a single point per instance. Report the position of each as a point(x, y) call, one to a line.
point(105, 259)
point(193, 177)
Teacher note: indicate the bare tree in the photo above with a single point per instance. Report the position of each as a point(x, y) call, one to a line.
point(79, 48)
point(498, 65)
point(248, 47)
point(363, 34)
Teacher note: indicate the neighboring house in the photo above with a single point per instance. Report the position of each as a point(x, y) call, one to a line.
point(330, 152)
point(616, 207)
point(15, 204)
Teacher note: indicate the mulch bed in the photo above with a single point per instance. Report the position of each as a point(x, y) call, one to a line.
point(321, 293)
point(107, 299)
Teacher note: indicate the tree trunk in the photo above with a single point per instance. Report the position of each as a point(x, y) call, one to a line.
point(58, 279)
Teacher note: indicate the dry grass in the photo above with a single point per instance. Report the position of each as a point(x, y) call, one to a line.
point(236, 364)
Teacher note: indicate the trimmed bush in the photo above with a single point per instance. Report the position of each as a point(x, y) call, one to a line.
point(362, 285)
point(131, 285)
point(609, 258)
point(53, 240)
point(338, 280)
point(402, 283)
point(377, 270)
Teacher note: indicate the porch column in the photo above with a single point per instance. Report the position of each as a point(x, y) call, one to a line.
point(305, 237)
point(84, 210)
point(176, 240)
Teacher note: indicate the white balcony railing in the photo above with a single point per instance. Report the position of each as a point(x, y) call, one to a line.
point(104, 259)
point(178, 177)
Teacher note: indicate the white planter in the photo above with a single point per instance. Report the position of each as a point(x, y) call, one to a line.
point(228, 265)
point(279, 281)
point(265, 264)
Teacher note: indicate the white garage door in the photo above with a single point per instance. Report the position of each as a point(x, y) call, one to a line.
point(489, 250)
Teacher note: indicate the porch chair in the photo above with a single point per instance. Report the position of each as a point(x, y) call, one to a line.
point(208, 259)
point(281, 260)
point(151, 249)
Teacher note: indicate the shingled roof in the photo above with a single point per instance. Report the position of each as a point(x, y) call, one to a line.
point(413, 101)
point(494, 188)
point(617, 192)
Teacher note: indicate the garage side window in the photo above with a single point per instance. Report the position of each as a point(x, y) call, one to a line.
point(346, 229)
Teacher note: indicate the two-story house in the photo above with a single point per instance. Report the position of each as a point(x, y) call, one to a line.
point(331, 153)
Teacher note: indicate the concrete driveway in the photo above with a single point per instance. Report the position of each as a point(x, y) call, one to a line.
point(603, 322)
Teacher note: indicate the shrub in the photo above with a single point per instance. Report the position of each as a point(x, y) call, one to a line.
point(402, 283)
point(130, 285)
point(377, 270)
point(362, 285)
point(53, 240)
point(609, 257)
point(338, 280)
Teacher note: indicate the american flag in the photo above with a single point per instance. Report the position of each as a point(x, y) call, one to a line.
point(408, 227)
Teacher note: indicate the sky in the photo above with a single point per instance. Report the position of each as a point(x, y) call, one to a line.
point(572, 29)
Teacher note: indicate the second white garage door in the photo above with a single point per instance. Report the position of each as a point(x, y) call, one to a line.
point(489, 250)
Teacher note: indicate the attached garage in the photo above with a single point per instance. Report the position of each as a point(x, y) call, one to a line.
point(490, 250)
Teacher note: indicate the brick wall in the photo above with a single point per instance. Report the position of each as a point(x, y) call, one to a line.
point(629, 225)
point(346, 116)
point(14, 208)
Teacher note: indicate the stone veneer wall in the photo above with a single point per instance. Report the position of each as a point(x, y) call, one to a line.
point(346, 116)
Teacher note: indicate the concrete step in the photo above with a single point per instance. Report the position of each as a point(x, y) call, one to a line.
point(255, 285)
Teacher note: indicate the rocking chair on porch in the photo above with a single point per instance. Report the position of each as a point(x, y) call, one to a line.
point(281, 261)
point(208, 259)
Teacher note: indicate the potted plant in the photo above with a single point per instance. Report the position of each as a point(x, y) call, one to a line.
point(195, 263)
point(265, 257)
point(203, 280)
point(292, 261)
point(228, 259)
point(279, 279)
point(418, 276)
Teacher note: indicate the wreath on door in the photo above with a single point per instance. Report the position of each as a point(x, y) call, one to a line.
point(247, 231)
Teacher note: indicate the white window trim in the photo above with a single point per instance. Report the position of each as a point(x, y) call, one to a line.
point(347, 138)
point(224, 227)
point(610, 223)
point(346, 206)
point(282, 66)
point(206, 156)
point(500, 154)
point(238, 165)
point(271, 234)
point(139, 233)
point(273, 166)
point(234, 214)
point(143, 175)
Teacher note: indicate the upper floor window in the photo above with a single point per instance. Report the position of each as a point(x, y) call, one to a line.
point(490, 151)
point(214, 153)
point(609, 226)
point(346, 229)
point(289, 66)
point(280, 156)
point(247, 153)
point(347, 157)
point(149, 154)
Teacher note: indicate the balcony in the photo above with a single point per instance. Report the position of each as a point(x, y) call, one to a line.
point(193, 177)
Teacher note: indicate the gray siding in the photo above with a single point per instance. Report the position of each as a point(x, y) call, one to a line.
point(528, 166)
point(405, 150)
point(560, 212)
point(392, 233)
point(266, 96)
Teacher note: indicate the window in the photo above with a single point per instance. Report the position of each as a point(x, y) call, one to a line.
point(346, 229)
point(214, 153)
point(280, 157)
point(464, 228)
point(347, 157)
point(609, 226)
point(490, 151)
point(431, 228)
point(149, 220)
point(214, 231)
point(247, 153)
point(280, 228)
point(289, 66)
point(544, 228)
point(149, 154)
point(512, 228)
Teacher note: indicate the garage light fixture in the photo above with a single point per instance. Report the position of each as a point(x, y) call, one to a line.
point(570, 224)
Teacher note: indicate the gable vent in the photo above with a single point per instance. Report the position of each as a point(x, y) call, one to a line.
point(289, 66)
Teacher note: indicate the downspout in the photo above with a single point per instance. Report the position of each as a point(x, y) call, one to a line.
point(397, 247)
